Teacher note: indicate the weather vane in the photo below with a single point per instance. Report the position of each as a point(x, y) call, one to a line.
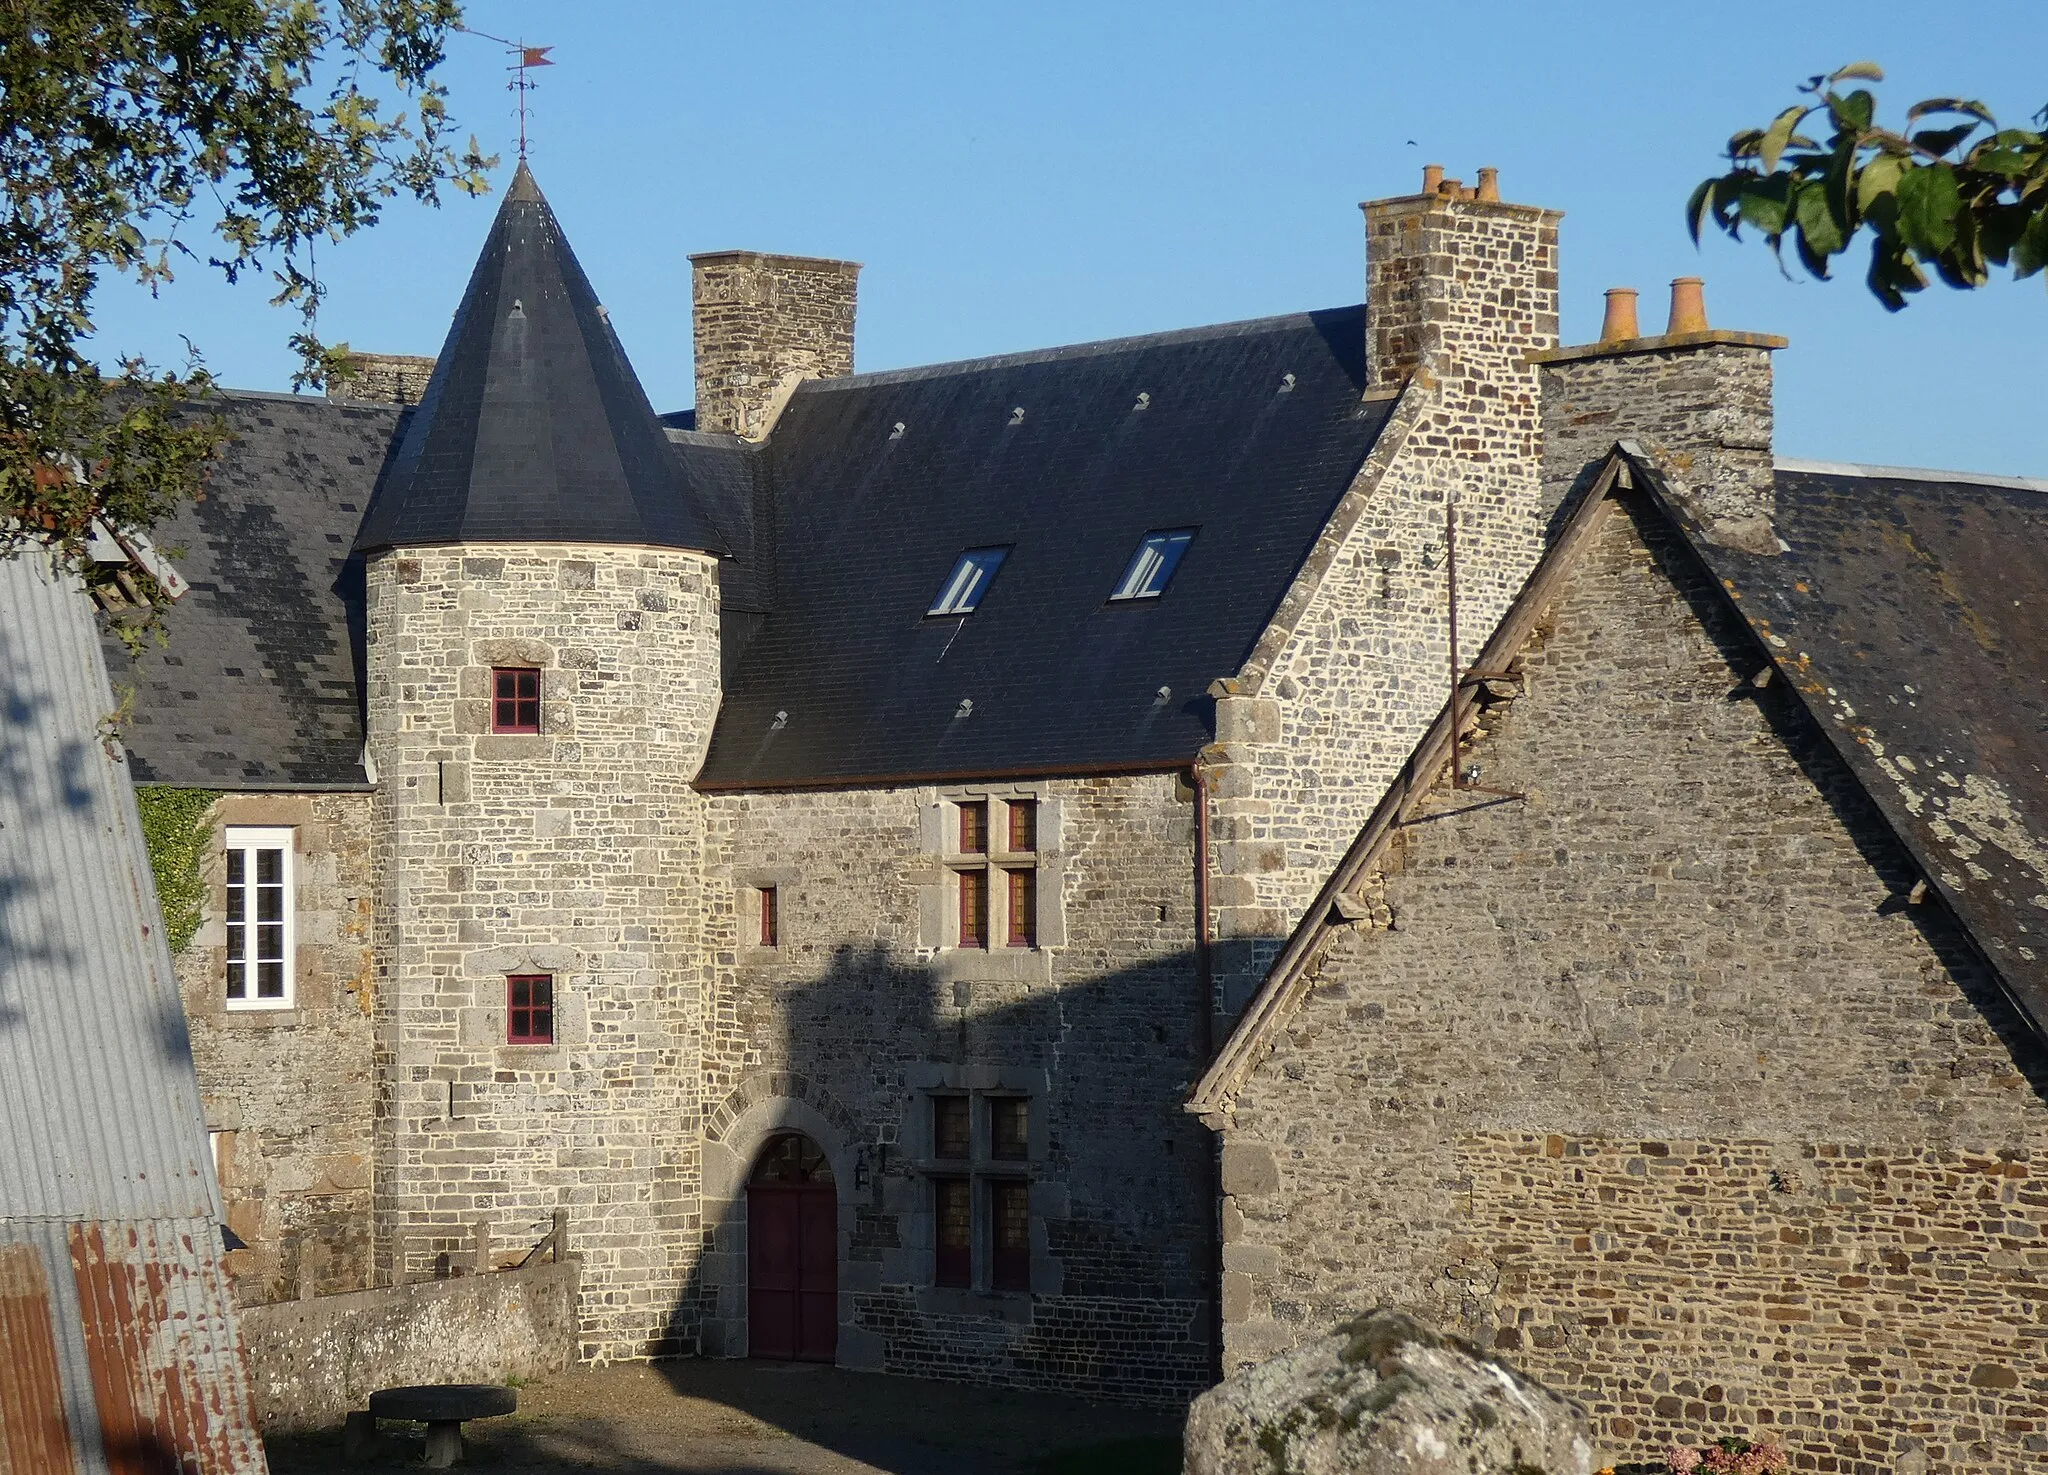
point(521, 84)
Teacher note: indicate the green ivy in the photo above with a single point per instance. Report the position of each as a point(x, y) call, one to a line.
point(174, 825)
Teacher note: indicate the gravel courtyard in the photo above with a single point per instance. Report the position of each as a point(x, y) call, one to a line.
point(754, 1418)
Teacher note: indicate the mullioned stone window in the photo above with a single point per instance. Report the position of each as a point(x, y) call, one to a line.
point(994, 905)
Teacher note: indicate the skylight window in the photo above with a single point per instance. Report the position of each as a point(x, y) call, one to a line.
point(1153, 564)
point(969, 580)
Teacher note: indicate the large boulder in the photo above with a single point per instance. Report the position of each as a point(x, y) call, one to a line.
point(1385, 1395)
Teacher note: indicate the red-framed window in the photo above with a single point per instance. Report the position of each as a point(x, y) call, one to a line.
point(1023, 908)
point(530, 1009)
point(1009, 1128)
point(771, 915)
point(950, 1129)
point(1010, 1215)
point(515, 699)
point(974, 828)
point(953, 1208)
point(1023, 826)
point(974, 909)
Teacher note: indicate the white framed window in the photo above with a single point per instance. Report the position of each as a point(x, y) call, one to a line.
point(261, 926)
point(962, 592)
point(1152, 566)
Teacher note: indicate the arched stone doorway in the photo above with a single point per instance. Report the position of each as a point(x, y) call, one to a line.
point(792, 1253)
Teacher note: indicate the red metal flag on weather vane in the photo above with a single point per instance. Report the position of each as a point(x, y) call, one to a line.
point(529, 57)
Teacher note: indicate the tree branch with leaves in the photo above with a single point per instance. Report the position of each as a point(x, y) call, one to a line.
point(1952, 191)
point(140, 135)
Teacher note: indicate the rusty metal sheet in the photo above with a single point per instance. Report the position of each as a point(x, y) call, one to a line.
point(35, 1437)
point(168, 1373)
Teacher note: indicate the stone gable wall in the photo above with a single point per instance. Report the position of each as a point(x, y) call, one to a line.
point(288, 1091)
point(861, 1010)
point(573, 852)
point(1336, 696)
point(1658, 1083)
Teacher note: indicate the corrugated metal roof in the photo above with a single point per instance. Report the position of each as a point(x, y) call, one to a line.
point(96, 1081)
point(117, 1335)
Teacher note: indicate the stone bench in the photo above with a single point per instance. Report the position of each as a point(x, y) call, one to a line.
point(444, 1409)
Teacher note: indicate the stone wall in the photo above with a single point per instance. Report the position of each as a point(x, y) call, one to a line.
point(1659, 1082)
point(1459, 294)
point(287, 1092)
point(314, 1362)
point(864, 1008)
point(1698, 403)
point(387, 378)
point(572, 852)
point(762, 324)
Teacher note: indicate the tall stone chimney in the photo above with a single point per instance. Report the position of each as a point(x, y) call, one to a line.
point(1458, 276)
point(1696, 398)
point(765, 323)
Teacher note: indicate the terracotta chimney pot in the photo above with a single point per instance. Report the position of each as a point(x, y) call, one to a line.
point(1688, 306)
point(1432, 178)
point(1620, 325)
point(1489, 184)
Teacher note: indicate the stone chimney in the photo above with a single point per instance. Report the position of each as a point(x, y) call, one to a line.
point(1695, 397)
point(763, 325)
point(385, 378)
point(1457, 275)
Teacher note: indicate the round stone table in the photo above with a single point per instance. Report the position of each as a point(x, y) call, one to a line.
point(443, 1408)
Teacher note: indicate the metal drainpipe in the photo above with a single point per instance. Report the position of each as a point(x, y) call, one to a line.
point(1205, 1034)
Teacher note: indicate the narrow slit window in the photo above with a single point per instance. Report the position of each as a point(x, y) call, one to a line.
point(974, 828)
point(1010, 1208)
point(950, 1127)
point(1153, 565)
point(1023, 826)
point(259, 920)
point(953, 1207)
point(969, 581)
point(1023, 908)
point(974, 909)
point(771, 915)
point(515, 699)
point(530, 1017)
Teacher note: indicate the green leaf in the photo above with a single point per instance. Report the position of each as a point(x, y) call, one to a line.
point(1764, 202)
point(1961, 105)
point(1771, 147)
point(1869, 71)
point(1928, 204)
point(1820, 234)
point(1852, 114)
point(1941, 140)
point(1878, 177)
point(2030, 251)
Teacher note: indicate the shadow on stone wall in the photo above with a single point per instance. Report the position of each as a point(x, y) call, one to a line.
point(1123, 1201)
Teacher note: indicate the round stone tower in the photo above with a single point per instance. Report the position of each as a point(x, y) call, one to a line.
point(542, 671)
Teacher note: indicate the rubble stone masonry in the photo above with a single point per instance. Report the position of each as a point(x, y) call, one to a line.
point(1659, 1083)
point(573, 852)
point(866, 1007)
point(763, 323)
point(1459, 295)
point(287, 1091)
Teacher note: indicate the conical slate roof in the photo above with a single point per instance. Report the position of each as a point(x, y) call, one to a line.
point(534, 427)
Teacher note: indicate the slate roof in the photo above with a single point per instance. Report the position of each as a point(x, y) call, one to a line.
point(1910, 611)
point(534, 427)
point(260, 685)
point(1250, 432)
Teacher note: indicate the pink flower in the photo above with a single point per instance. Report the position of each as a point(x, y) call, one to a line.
point(1682, 1460)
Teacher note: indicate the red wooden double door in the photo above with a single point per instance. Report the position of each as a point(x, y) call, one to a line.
point(793, 1253)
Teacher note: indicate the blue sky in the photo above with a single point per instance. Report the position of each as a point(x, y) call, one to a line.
point(1016, 176)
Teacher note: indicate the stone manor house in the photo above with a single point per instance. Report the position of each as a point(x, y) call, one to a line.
point(996, 870)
